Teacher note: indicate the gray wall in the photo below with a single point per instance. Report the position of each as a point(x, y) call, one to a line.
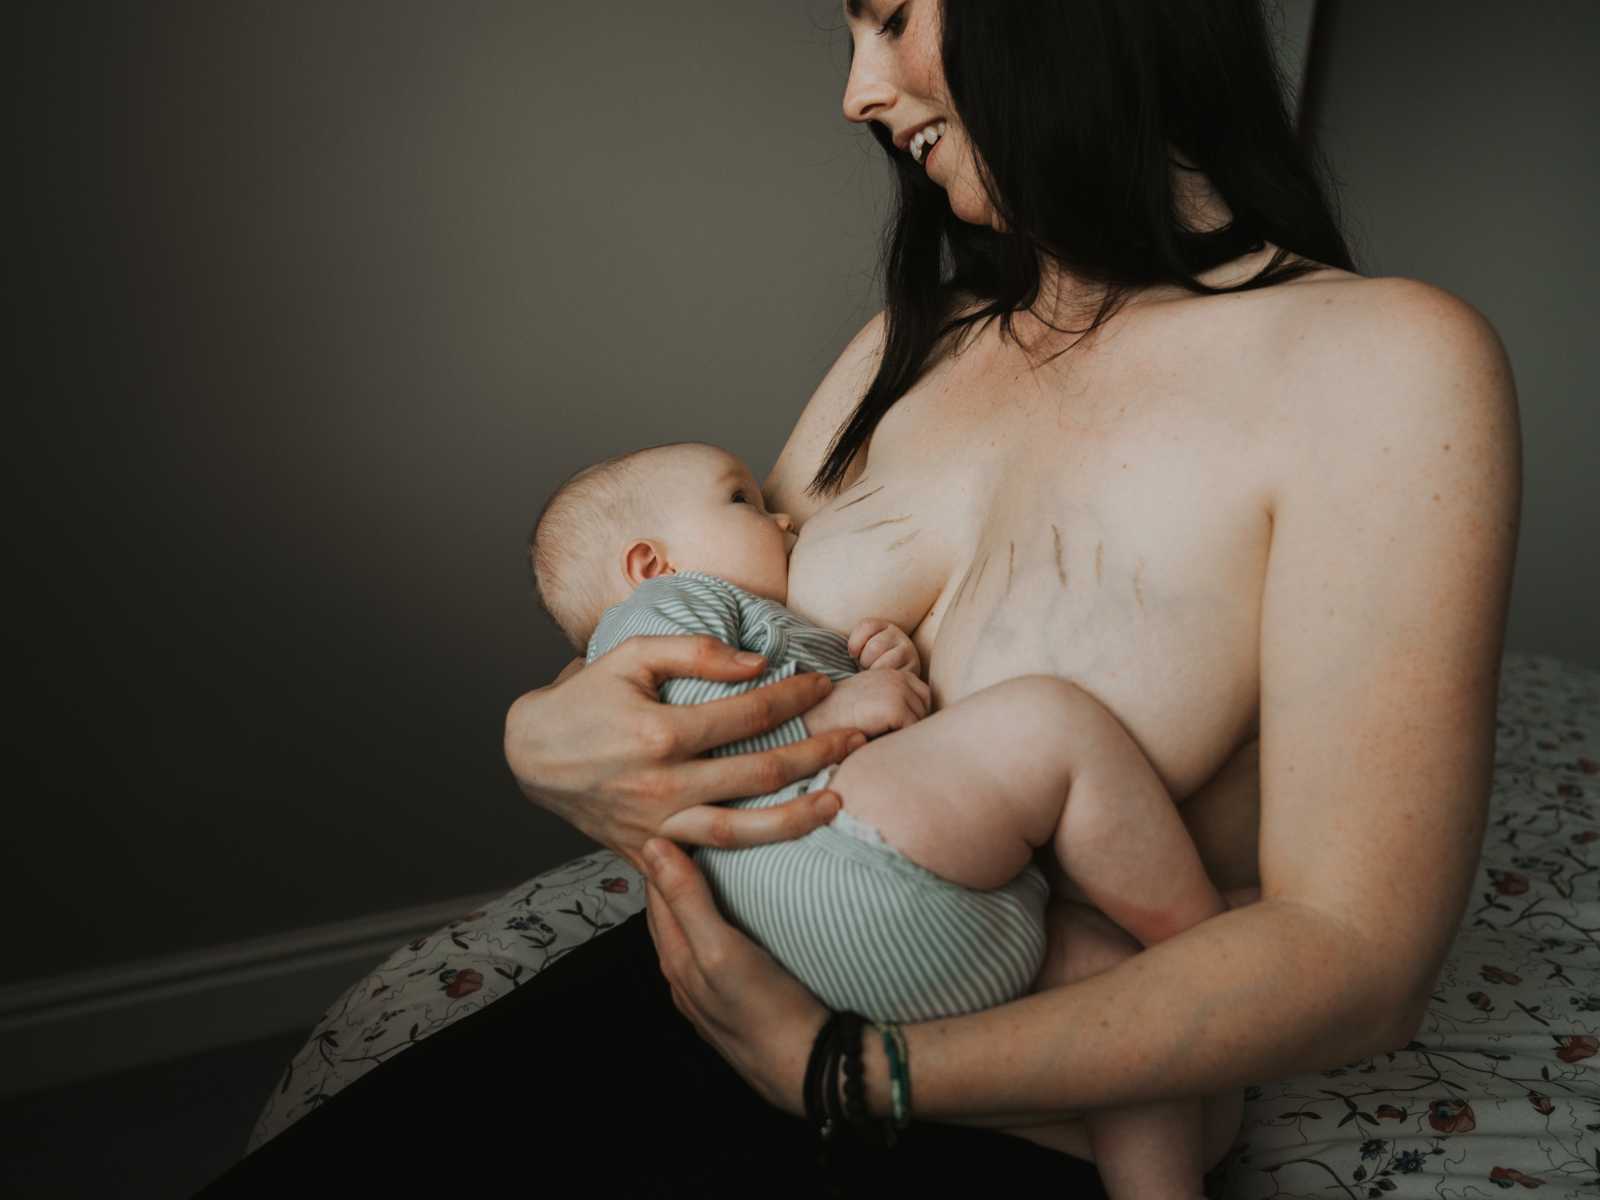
point(320, 301)
point(1467, 140)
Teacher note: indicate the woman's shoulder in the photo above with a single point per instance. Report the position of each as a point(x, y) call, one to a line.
point(1385, 368)
point(1329, 311)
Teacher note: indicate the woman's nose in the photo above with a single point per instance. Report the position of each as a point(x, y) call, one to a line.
point(867, 91)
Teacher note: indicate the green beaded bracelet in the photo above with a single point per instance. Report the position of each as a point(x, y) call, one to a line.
point(895, 1050)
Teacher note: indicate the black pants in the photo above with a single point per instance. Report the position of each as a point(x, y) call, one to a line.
point(587, 1077)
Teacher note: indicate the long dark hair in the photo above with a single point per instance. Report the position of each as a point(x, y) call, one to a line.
point(1071, 106)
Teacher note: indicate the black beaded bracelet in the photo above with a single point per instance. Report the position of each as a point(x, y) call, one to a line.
point(855, 1090)
point(815, 1090)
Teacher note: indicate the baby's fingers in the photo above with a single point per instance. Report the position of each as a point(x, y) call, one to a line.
point(888, 648)
point(861, 636)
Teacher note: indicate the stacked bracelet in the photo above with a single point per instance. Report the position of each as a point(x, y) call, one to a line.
point(839, 1042)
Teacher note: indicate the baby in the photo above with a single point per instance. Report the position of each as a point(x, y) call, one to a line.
point(921, 899)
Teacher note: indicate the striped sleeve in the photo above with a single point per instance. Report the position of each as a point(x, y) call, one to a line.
point(695, 604)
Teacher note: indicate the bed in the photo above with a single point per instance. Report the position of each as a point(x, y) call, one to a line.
point(1499, 1091)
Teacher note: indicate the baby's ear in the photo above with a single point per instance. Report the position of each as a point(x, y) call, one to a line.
point(645, 559)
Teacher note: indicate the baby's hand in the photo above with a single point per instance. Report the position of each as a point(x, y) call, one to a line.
point(878, 644)
point(875, 702)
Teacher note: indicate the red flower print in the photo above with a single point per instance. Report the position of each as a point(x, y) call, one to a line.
point(1497, 975)
point(614, 885)
point(1577, 1047)
point(465, 983)
point(1541, 1103)
point(1480, 1001)
point(1451, 1116)
point(1587, 836)
point(1505, 1177)
point(1588, 765)
point(1509, 883)
point(1388, 1112)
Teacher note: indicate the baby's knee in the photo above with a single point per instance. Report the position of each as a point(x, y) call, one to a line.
point(1039, 719)
point(1038, 708)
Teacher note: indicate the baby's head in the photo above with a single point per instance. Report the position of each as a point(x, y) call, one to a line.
point(685, 506)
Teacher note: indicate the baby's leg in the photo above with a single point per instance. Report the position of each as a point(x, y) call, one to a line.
point(1155, 1150)
point(969, 792)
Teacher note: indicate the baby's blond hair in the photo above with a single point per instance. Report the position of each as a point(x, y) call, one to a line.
point(583, 526)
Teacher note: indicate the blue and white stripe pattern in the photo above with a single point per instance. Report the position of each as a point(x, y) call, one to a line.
point(861, 925)
point(692, 602)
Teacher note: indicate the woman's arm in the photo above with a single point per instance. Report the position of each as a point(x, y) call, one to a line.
point(1394, 533)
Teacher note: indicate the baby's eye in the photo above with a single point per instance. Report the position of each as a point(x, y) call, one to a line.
point(740, 498)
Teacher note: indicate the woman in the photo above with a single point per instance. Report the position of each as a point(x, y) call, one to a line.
point(1160, 440)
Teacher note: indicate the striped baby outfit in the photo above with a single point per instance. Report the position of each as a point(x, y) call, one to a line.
point(861, 925)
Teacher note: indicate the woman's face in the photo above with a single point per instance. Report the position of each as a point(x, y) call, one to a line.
point(897, 80)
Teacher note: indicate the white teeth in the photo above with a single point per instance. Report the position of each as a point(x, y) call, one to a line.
point(926, 138)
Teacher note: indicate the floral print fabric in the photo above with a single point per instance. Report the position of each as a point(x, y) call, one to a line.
point(1499, 1091)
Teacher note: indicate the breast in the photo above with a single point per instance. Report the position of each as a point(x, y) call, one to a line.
point(1120, 544)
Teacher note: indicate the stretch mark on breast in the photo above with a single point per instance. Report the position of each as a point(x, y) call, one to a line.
point(1011, 563)
point(885, 521)
point(1061, 570)
point(960, 591)
point(859, 499)
point(1099, 557)
point(981, 567)
point(1138, 584)
point(897, 543)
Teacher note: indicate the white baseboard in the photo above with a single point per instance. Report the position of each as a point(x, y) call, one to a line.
point(76, 1027)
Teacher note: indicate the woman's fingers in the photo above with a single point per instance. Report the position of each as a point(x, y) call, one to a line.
point(732, 828)
point(689, 930)
point(760, 772)
point(652, 660)
point(733, 718)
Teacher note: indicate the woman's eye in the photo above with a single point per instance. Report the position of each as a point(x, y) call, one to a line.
point(895, 24)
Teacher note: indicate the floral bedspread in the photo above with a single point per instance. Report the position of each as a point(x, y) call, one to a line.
point(1499, 1091)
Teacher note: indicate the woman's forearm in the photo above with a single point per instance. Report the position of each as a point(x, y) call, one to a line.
point(1254, 994)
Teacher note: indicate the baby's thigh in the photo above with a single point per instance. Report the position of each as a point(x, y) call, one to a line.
point(970, 791)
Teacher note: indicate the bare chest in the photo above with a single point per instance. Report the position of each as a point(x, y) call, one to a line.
point(1102, 526)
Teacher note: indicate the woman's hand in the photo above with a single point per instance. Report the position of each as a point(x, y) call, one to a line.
point(754, 1013)
point(599, 749)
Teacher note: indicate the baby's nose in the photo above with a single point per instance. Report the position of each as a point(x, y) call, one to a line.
point(785, 522)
